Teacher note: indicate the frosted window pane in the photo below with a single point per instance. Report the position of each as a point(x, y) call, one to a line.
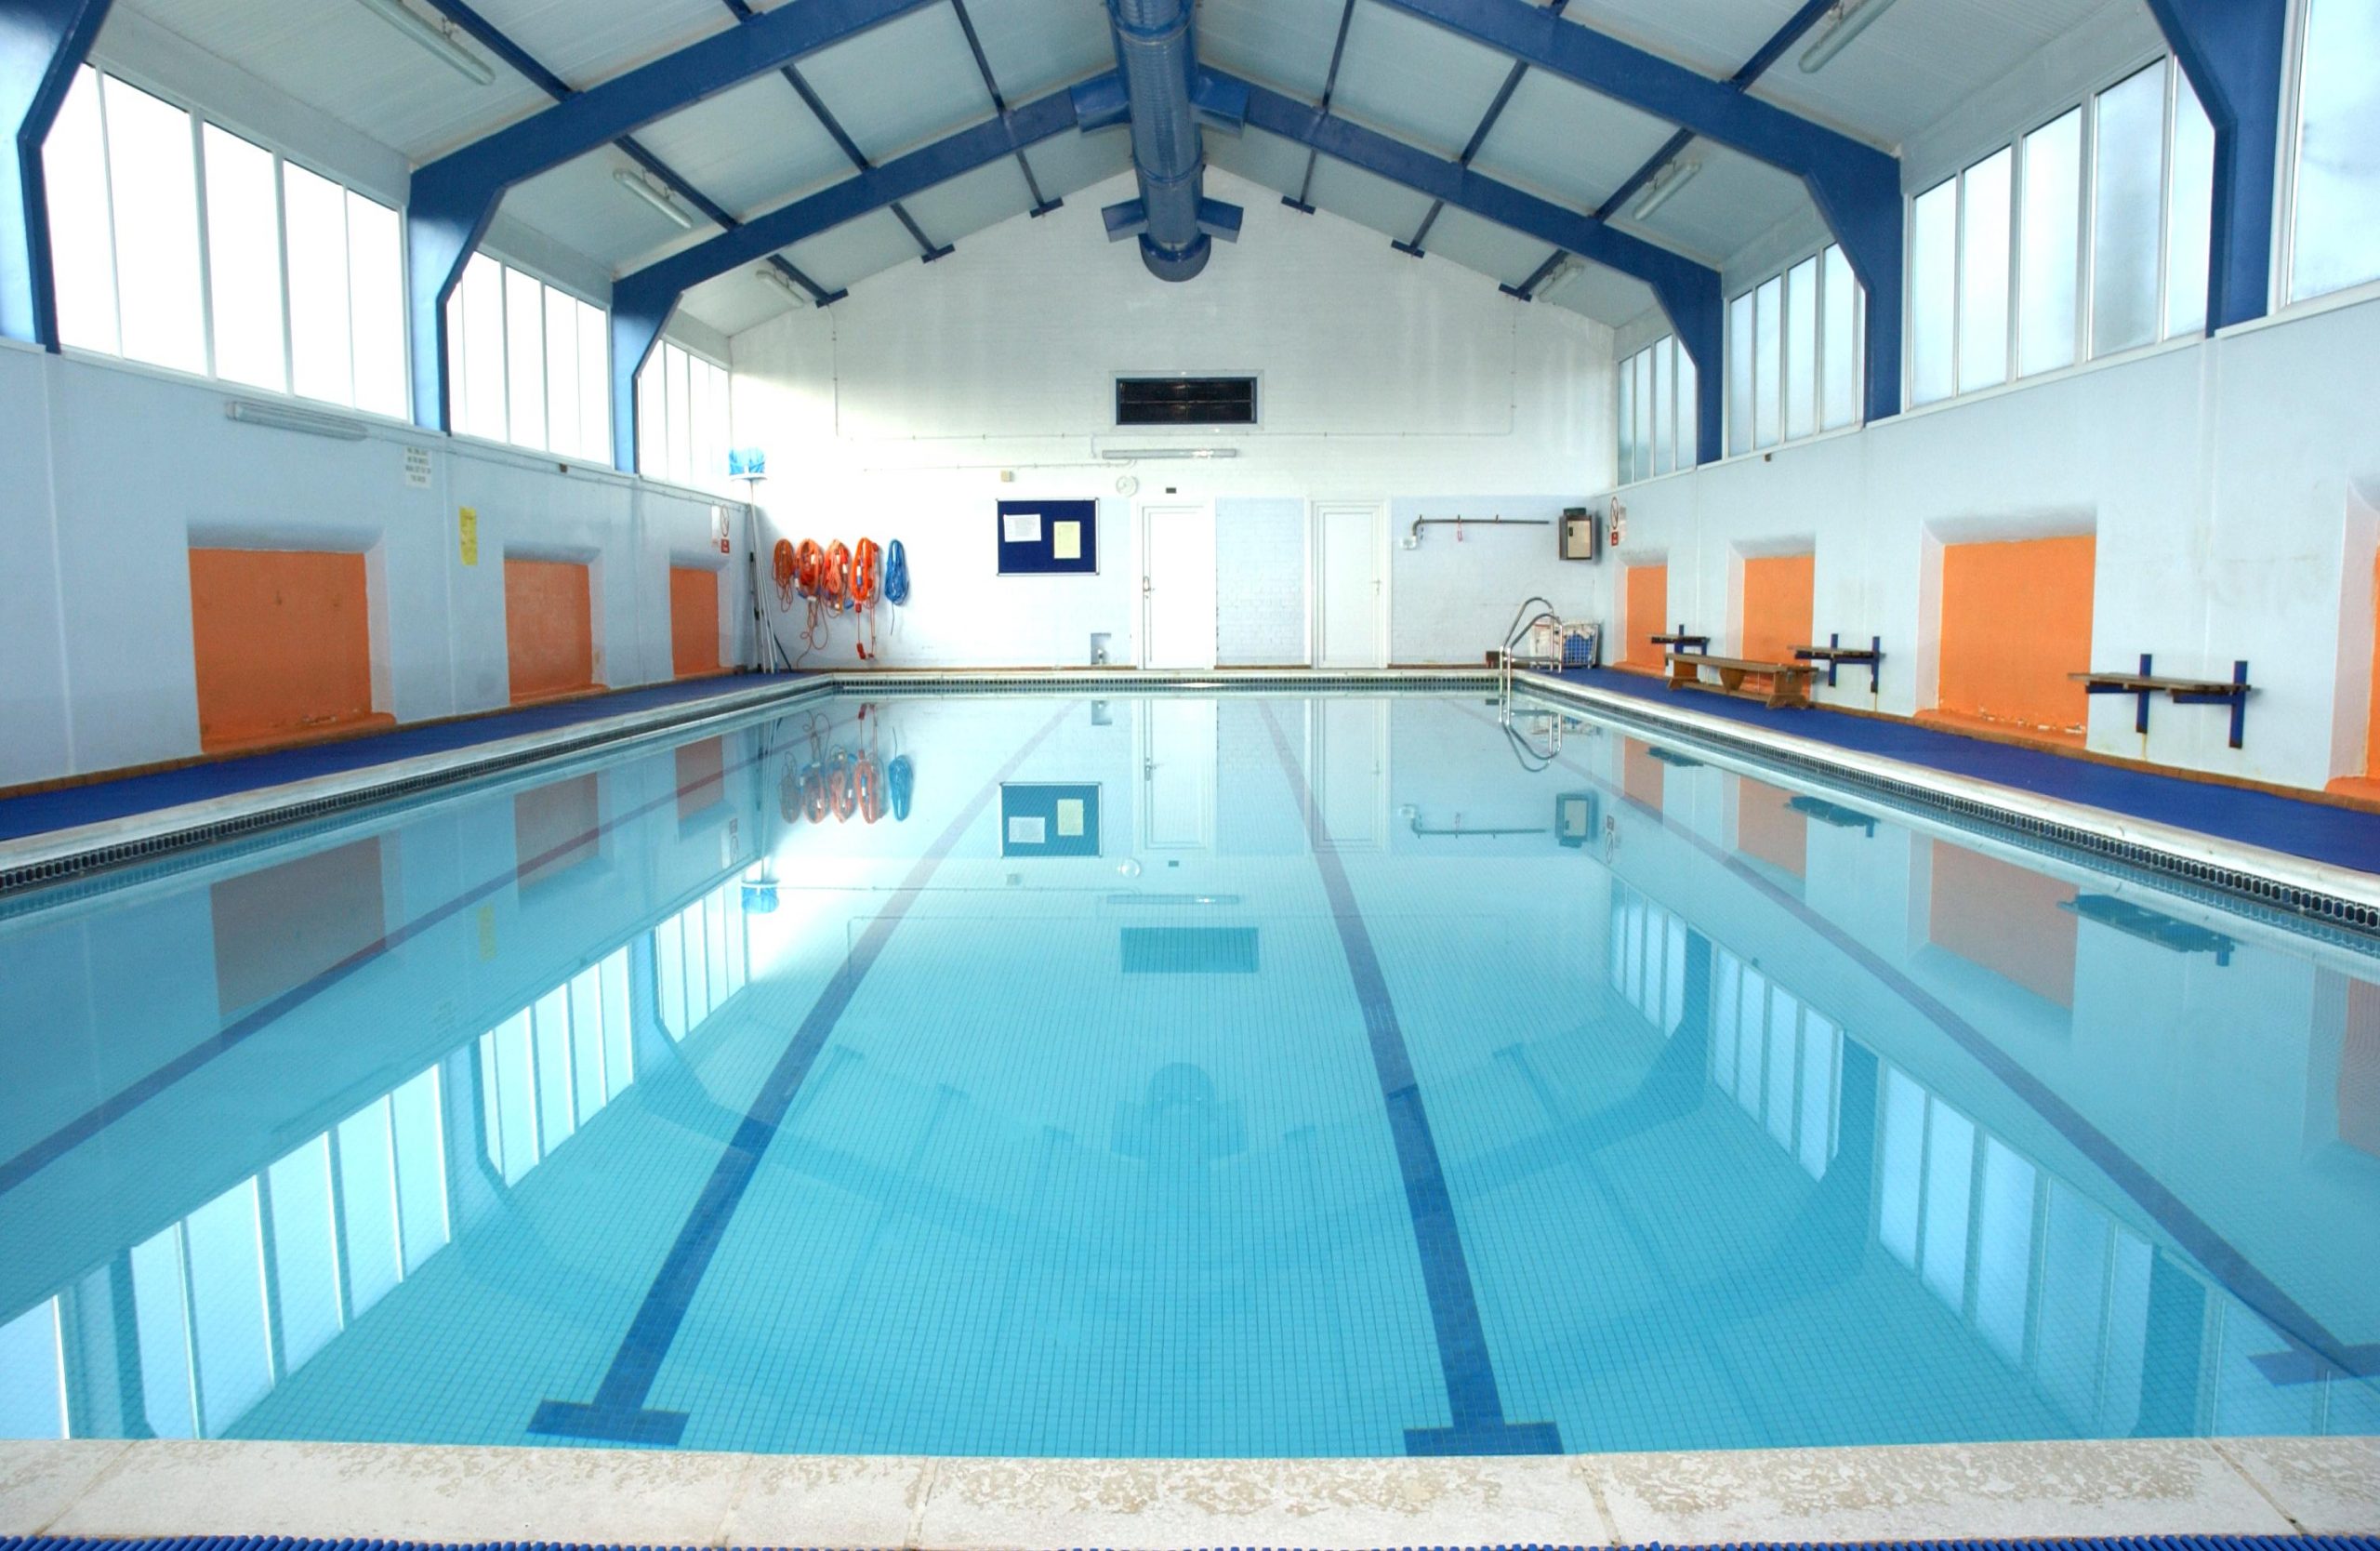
point(2048, 237)
point(679, 397)
point(2125, 212)
point(698, 421)
point(1802, 348)
point(561, 372)
point(1627, 417)
point(1740, 375)
point(525, 357)
point(1643, 366)
point(74, 163)
point(226, 1307)
point(2339, 150)
point(2189, 212)
point(421, 1167)
point(1933, 292)
point(244, 259)
point(1690, 412)
point(367, 1188)
point(32, 1377)
point(594, 382)
point(1768, 334)
point(483, 337)
point(1664, 407)
point(305, 1251)
point(1839, 361)
point(1983, 273)
point(376, 281)
point(1950, 1174)
point(153, 188)
point(315, 210)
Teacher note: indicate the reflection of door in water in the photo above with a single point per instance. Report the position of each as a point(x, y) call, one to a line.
point(1177, 773)
point(1350, 772)
point(1178, 585)
point(1347, 626)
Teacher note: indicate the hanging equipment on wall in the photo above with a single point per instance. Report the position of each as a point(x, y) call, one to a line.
point(896, 574)
point(864, 588)
point(787, 568)
point(835, 583)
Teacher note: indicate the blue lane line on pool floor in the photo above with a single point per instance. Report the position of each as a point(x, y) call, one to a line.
point(618, 1412)
point(1473, 1400)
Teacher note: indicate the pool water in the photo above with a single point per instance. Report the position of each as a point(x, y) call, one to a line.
point(1177, 1076)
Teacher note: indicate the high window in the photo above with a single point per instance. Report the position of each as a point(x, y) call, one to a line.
point(681, 418)
point(528, 363)
point(1656, 411)
point(2085, 236)
point(1793, 365)
point(2336, 232)
point(179, 243)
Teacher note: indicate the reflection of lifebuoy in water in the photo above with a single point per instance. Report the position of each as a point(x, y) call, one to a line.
point(840, 789)
point(814, 793)
point(870, 783)
point(790, 794)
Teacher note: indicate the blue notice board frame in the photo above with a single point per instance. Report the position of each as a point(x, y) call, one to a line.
point(1038, 556)
point(1033, 823)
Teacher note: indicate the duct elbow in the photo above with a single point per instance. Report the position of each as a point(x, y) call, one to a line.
point(1177, 263)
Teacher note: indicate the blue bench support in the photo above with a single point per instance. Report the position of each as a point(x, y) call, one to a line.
point(1681, 640)
point(2182, 691)
point(1834, 654)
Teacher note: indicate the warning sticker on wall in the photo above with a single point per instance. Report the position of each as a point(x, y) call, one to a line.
point(468, 530)
point(416, 468)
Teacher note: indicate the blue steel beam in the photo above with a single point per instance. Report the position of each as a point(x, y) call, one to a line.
point(1478, 139)
point(455, 197)
point(1301, 201)
point(42, 43)
point(642, 301)
point(2234, 52)
point(1855, 187)
point(1688, 291)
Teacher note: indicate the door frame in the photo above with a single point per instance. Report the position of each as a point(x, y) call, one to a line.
point(1317, 626)
point(1147, 599)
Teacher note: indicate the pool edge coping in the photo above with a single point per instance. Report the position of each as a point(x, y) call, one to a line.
point(467, 1494)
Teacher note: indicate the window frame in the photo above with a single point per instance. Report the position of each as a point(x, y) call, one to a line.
point(1780, 374)
point(457, 379)
point(2280, 296)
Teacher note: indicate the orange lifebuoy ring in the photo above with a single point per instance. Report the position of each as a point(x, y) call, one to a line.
point(835, 577)
point(865, 559)
point(807, 561)
point(788, 569)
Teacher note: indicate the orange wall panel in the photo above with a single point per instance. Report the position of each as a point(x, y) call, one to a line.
point(1777, 605)
point(2015, 621)
point(282, 643)
point(1768, 827)
point(549, 629)
point(1645, 614)
point(2005, 919)
point(277, 928)
point(693, 621)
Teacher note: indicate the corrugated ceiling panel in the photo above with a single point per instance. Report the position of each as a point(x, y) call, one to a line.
point(1713, 36)
point(902, 84)
point(1070, 162)
point(749, 148)
point(1497, 252)
point(963, 205)
point(1730, 201)
point(1420, 83)
point(1592, 291)
point(1567, 142)
point(579, 206)
point(1285, 44)
point(737, 301)
point(1036, 45)
point(585, 42)
point(1366, 200)
point(1261, 158)
point(855, 250)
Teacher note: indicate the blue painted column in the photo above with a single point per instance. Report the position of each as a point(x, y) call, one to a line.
point(1862, 204)
point(42, 43)
point(2233, 52)
point(640, 310)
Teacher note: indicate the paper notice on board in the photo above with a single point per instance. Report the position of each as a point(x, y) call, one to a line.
point(1021, 527)
point(1066, 540)
point(1069, 808)
point(1022, 830)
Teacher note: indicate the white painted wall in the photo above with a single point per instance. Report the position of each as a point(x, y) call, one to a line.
point(110, 473)
point(898, 412)
point(2230, 484)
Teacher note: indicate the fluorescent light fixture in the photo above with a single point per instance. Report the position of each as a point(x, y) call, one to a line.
point(1135, 455)
point(439, 39)
point(783, 281)
point(1657, 194)
point(283, 416)
point(638, 185)
point(1851, 17)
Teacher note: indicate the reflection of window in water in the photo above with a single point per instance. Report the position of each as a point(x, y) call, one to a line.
point(1780, 1058)
point(547, 1069)
point(698, 959)
point(213, 1333)
point(1648, 958)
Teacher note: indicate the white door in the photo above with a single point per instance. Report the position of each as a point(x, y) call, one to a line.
point(1178, 585)
point(1348, 627)
point(1177, 772)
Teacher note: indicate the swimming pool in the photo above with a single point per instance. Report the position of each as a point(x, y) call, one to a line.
point(1178, 1076)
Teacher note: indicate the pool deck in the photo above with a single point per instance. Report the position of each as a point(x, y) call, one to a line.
point(2000, 1491)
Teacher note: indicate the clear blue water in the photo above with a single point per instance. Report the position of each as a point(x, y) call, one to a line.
point(1177, 1077)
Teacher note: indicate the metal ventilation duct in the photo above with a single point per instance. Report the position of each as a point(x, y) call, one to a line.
point(1165, 96)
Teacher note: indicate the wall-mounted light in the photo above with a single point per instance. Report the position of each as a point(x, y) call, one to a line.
point(282, 416)
point(638, 185)
point(1851, 18)
point(436, 37)
point(1135, 455)
point(1657, 194)
point(783, 281)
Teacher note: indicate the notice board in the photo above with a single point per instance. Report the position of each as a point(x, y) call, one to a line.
point(1048, 538)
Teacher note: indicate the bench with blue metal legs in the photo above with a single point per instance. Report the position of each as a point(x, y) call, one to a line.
point(2182, 691)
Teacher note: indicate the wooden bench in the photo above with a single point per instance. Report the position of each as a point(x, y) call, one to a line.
point(1789, 682)
point(1834, 654)
point(2182, 691)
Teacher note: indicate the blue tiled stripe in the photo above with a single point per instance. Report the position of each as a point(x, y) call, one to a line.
point(618, 1413)
point(1472, 1399)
